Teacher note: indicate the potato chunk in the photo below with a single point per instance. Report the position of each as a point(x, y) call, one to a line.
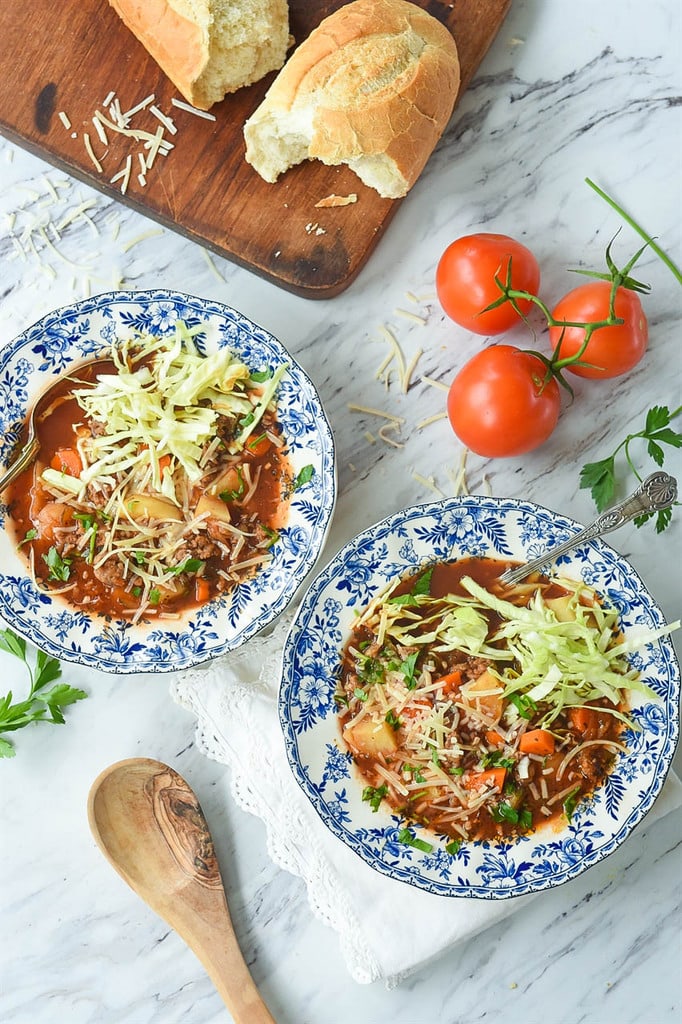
point(371, 739)
point(490, 704)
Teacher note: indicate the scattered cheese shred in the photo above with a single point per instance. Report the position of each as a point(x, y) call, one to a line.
point(89, 151)
point(459, 479)
point(431, 419)
point(153, 233)
point(429, 482)
point(124, 175)
point(383, 434)
point(409, 315)
point(193, 110)
point(65, 120)
point(375, 412)
point(435, 383)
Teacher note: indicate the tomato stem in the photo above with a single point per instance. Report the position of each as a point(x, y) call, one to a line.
point(640, 231)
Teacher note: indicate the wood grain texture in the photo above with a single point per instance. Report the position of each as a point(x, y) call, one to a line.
point(148, 823)
point(68, 56)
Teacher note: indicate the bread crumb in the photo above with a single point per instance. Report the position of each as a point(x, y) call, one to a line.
point(313, 228)
point(334, 200)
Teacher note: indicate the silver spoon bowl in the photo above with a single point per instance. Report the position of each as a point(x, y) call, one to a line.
point(30, 449)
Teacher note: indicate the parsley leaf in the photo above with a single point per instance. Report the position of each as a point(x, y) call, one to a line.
point(600, 477)
point(374, 795)
point(304, 476)
point(60, 568)
point(45, 703)
point(407, 668)
point(423, 584)
point(189, 565)
point(407, 839)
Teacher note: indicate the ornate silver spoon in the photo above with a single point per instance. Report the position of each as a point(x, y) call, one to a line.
point(657, 492)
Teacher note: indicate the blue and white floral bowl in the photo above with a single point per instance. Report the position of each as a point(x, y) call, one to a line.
point(78, 332)
point(454, 528)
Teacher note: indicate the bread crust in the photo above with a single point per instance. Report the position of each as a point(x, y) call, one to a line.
point(179, 46)
point(381, 77)
point(182, 37)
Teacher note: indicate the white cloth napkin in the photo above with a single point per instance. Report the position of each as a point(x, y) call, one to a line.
point(234, 700)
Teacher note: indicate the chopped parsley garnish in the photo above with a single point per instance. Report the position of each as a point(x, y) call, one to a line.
point(236, 492)
point(303, 477)
point(524, 704)
point(406, 837)
point(570, 802)
point(60, 568)
point(407, 668)
point(393, 720)
point(423, 584)
point(496, 759)
point(415, 772)
point(256, 441)
point(259, 376)
point(374, 795)
point(272, 535)
point(189, 565)
point(247, 420)
point(30, 535)
point(89, 522)
point(360, 694)
point(371, 670)
point(403, 599)
point(505, 812)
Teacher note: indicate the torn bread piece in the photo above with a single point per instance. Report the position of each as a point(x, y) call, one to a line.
point(209, 48)
point(372, 87)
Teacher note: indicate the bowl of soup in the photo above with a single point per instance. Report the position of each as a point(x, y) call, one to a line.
point(470, 738)
point(182, 487)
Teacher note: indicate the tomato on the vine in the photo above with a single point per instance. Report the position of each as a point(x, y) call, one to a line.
point(611, 351)
point(465, 281)
point(499, 404)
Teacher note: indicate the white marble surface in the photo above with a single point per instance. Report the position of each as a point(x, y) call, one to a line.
point(568, 90)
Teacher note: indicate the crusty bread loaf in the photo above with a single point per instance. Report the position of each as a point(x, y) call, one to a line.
point(372, 87)
point(209, 48)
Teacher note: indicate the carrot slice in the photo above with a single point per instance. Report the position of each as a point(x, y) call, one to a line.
point(491, 776)
point(582, 719)
point(201, 589)
point(258, 446)
point(494, 739)
point(537, 741)
point(450, 682)
point(67, 460)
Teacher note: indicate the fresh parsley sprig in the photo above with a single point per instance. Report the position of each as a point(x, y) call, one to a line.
point(600, 477)
point(44, 703)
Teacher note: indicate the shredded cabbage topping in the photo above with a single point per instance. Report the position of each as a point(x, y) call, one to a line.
point(564, 662)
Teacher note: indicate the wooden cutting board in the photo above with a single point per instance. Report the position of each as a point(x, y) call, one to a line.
point(67, 56)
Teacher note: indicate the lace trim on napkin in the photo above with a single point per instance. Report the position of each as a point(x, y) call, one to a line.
point(227, 696)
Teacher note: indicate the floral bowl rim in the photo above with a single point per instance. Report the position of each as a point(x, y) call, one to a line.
point(77, 332)
point(460, 527)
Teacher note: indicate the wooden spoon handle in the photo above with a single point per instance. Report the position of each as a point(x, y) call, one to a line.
point(181, 822)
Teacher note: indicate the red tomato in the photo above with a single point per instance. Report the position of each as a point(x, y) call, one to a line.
point(497, 403)
point(611, 350)
point(465, 281)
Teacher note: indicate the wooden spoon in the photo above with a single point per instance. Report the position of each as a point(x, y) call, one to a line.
point(149, 825)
